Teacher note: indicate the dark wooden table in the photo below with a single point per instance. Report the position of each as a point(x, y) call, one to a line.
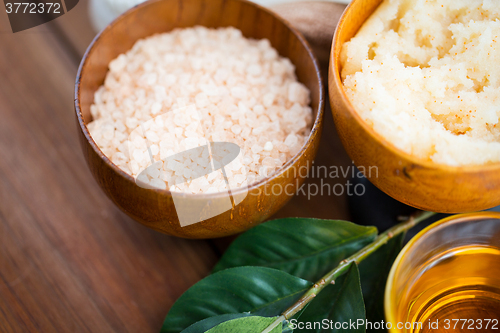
point(70, 261)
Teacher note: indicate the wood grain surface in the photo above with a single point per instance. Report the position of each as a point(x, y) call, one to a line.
point(70, 261)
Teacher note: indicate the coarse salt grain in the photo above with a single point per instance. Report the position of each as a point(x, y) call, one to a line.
point(291, 140)
point(180, 90)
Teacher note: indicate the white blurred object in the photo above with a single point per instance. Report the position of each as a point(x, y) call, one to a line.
point(103, 12)
point(268, 3)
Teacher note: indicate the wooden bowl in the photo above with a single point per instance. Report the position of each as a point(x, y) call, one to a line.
point(155, 208)
point(413, 181)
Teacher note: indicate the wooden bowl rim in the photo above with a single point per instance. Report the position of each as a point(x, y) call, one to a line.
point(315, 127)
point(335, 70)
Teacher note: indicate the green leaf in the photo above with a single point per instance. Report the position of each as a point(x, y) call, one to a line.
point(246, 325)
point(206, 324)
point(374, 271)
point(259, 290)
point(307, 248)
point(340, 303)
point(286, 328)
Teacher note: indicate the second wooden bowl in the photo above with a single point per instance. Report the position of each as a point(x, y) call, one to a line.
point(413, 181)
point(155, 208)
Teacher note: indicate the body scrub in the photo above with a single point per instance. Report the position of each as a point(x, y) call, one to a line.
point(182, 89)
point(425, 76)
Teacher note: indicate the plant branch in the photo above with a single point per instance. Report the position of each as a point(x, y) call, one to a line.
point(344, 265)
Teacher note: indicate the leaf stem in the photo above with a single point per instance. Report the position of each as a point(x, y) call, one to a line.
point(344, 265)
point(277, 322)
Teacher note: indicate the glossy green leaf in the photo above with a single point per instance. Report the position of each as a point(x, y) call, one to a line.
point(307, 248)
point(246, 325)
point(259, 290)
point(206, 324)
point(341, 303)
point(374, 271)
